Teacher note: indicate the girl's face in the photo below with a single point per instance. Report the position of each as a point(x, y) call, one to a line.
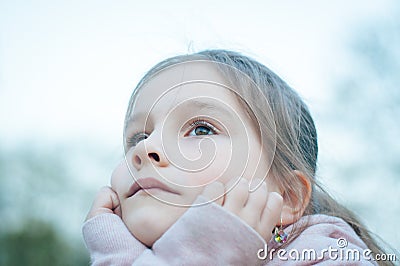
point(186, 130)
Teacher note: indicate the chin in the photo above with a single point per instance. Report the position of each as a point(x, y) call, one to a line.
point(148, 222)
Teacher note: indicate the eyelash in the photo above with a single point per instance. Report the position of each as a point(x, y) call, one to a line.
point(200, 122)
point(135, 138)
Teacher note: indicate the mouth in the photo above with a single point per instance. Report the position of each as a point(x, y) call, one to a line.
point(148, 183)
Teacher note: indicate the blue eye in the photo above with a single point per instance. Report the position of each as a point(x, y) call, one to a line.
point(201, 128)
point(136, 138)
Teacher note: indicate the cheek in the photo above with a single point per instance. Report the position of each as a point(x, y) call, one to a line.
point(205, 159)
point(215, 158)
point(120, 178)
point(258, 162)
point(246, 160)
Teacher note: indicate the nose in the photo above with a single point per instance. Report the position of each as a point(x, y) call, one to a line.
point(149, 151)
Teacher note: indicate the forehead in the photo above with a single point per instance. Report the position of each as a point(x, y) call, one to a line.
point(198, 82)
point(186, 71)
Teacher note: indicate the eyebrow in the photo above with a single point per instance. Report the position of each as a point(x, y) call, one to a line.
point(213, 108)
point(198, 104)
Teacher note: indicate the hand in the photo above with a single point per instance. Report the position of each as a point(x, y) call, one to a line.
point(106, 201)
point(259, 209)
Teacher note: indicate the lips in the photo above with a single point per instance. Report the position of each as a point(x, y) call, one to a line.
point(148, 183)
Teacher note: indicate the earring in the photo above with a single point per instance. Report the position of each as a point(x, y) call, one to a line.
point(279, 235)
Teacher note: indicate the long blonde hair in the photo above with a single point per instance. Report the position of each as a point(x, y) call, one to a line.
point(296, 137)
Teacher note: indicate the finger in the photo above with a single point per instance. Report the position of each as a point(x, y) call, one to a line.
point(114, 198)
point(118, 211)
point(271, 215)
point(214, 192)
point(255, 184)
point(252, 212)
point(236, 198)
point(106, 198)
point(258, 198)
point(232, 183)
point(105, 201)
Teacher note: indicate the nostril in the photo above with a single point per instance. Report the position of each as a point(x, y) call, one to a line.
point(154, 156)
point(138, 161)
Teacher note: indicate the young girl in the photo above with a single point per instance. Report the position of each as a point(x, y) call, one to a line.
point(219, 169)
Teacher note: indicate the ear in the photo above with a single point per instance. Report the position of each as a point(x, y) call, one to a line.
point(295, 204)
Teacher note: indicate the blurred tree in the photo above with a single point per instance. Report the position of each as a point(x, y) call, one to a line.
point(37, 243)
point(45, 193)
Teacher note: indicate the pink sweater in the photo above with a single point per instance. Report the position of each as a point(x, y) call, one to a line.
point(209, 235)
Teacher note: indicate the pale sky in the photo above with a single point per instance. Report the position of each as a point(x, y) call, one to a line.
point(67, 68)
